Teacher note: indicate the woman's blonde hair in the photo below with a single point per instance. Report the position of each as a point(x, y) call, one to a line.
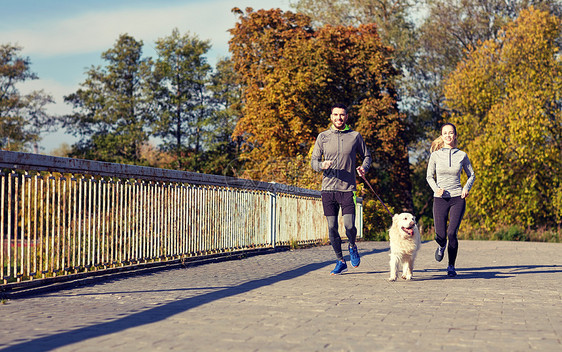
point(438, 142)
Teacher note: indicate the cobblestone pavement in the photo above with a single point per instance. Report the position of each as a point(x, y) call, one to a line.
point(507, 297)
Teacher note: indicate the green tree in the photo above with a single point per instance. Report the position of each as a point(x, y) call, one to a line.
point(184, 107)
point(112, 106)
point(506, 103)
point(22, 117)
point(223, 151)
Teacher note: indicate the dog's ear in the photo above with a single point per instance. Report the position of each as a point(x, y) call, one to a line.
point(395, 217)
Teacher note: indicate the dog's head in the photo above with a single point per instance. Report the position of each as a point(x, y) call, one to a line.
point(405, 223)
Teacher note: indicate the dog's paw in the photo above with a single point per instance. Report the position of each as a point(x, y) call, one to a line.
point(391, 279)
point(407, 277)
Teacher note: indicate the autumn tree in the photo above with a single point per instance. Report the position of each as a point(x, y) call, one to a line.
point(448, 30)
point(23, 117)
point(183, 106)
point(506, 103)
point(394, 20)
point(292, 74)
point(111, 108)
point(444, 33)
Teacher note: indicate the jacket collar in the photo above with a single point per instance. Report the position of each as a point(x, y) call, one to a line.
point(347, 128)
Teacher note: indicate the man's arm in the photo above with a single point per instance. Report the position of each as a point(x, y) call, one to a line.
point(316, 159)
point(366, 155)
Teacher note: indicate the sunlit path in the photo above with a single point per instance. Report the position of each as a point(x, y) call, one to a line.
point(506, 297)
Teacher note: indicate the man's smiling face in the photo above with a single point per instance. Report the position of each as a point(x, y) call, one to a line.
point(339, 118)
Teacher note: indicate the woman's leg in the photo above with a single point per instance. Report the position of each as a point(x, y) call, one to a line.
point(456, 213)
point(440, 217)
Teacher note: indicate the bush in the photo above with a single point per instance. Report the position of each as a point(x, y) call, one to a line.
point(426, 233)
point(511, 233)
point(377, 236)
point(376, 221)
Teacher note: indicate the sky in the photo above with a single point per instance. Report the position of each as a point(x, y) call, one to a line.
point(64, 38)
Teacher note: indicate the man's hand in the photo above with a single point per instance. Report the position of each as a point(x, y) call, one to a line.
point(326, 164)
point(361, 171)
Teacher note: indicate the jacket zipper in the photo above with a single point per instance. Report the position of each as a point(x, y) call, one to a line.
point(338, 135)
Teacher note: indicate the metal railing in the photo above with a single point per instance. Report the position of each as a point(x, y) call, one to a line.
point(63, 216)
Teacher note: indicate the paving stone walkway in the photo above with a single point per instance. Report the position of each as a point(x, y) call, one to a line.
point(507, 297)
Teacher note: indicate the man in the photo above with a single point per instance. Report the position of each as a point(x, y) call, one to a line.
point(334, 154)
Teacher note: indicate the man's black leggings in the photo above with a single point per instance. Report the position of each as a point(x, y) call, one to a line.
point(335, 238)
point(452, 210)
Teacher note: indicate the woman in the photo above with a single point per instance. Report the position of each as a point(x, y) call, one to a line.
point(444, 177)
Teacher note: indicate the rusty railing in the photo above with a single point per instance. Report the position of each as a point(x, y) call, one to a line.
point(63, 216)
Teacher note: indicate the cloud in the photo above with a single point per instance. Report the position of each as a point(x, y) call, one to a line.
point(56, 90)
point(98, 31)
point(52, 140)
point(61, 48)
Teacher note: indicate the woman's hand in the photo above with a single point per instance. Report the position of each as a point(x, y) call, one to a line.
point(440, 192)
point(464, 194)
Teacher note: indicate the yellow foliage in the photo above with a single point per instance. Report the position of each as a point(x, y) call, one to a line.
point(292, 75)
point(505, 99)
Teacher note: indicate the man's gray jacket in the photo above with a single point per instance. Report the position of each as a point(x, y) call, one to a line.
point(342, 148)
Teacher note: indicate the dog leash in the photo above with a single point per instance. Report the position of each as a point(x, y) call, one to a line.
point(367, 182)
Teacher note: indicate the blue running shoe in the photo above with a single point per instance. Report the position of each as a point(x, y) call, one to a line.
point(354, 254)
point(341, 267)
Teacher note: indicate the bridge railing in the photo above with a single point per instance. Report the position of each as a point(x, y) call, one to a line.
point(63, 216)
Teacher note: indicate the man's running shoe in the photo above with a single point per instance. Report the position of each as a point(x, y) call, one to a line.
point(354, 254)
point(341, 267)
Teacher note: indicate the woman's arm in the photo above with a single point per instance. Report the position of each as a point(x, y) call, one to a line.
point(467, 166)
point(430, 176)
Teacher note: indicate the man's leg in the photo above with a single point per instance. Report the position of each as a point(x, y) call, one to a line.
point(334, 235)
point(350, 229)
point(331, 209)
point(351, 232)
point(348, 211)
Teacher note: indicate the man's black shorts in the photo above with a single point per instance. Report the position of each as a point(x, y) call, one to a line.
point(333, 200)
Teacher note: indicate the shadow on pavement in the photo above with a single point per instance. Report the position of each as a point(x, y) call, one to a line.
point(155, 314)
point(490, 272)
point(144, 291)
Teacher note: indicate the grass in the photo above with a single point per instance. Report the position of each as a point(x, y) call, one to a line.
point(293, 243)
point(506, 233)
point(502, 233)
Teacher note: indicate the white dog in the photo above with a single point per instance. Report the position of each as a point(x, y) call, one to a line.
point(404, 244)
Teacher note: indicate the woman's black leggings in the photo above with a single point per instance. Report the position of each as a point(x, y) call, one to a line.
point(452, 210)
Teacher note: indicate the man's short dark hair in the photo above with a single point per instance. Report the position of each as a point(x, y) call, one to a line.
point(339, 106)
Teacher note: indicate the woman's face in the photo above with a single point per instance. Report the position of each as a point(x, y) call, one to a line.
point(449, 136)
